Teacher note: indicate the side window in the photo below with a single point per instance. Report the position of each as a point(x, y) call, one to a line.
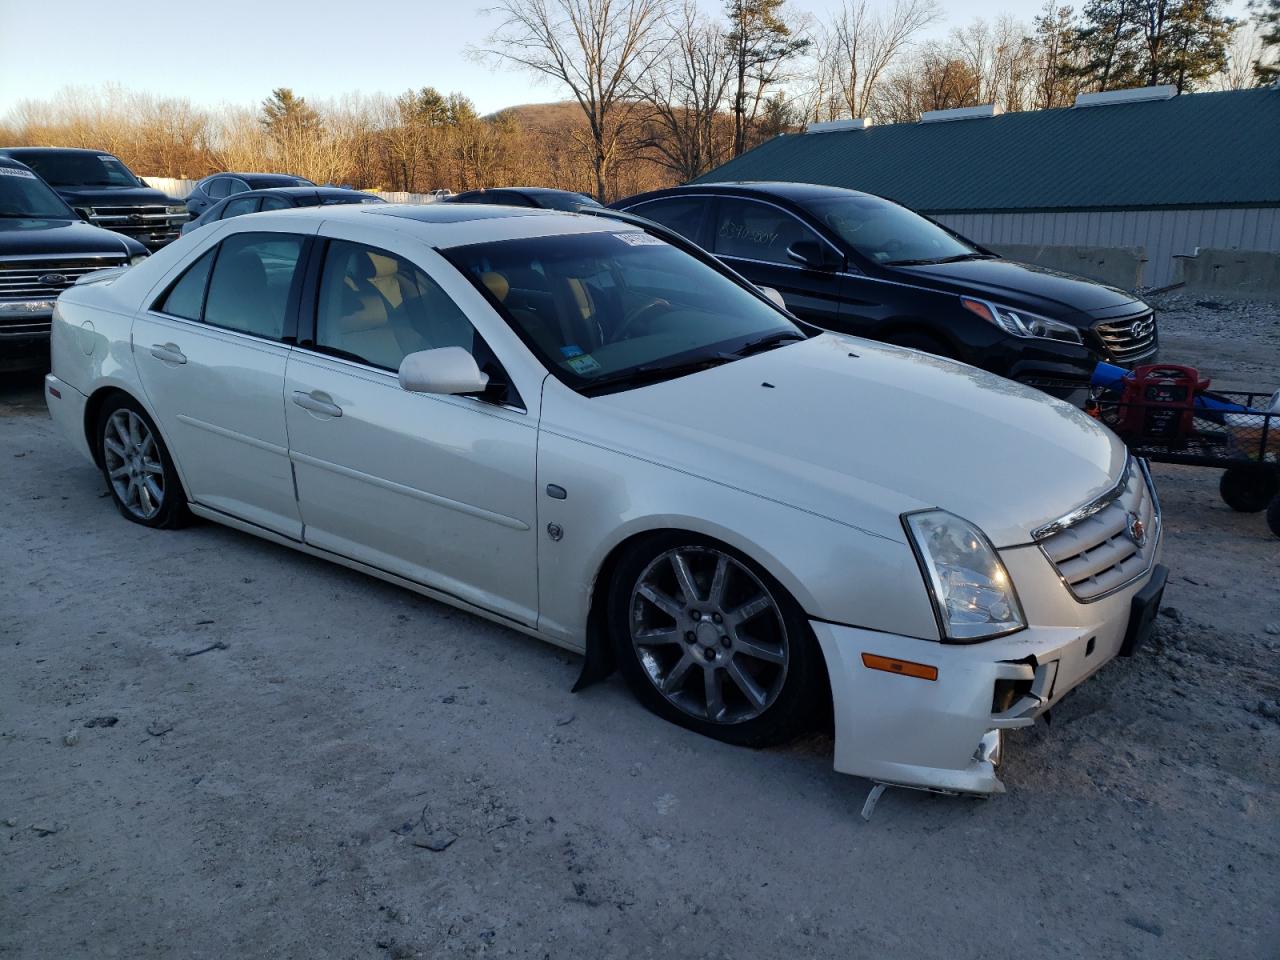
point(274, 203)
point(249, 289)
point(681, 214)
point(377, 307)
point(757, 231)
point(186, 297)
point(217, 187)
point(241, 205)
point(235, 186)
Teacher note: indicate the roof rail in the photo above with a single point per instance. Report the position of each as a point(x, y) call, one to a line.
point(962, 113)
point(1129, 95)
point(835, 126)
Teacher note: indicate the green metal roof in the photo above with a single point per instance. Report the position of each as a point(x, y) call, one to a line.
point(1205, 149)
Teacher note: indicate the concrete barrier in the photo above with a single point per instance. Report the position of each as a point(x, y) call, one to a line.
point(1116, 266)
point(1234, 273)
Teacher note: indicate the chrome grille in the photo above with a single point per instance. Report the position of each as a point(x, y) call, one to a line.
point(1108, 543)
point(1128, 340)
point(36, 279)
point(146, 223)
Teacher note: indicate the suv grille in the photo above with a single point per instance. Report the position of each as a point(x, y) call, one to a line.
point(147, 224)
point(1109, 543)
point(1128, 340)
point(36, 279)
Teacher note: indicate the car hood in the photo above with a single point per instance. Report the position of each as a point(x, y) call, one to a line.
point(71, 237)
point(1020, 285)
point(862, 432)
point(123, 196)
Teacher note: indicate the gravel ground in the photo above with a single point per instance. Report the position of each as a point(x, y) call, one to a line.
point(212, 747)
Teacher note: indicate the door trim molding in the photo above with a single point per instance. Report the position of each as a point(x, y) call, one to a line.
point(233, 435)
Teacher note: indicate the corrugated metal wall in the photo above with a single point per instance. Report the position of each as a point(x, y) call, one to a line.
point(1163, 234)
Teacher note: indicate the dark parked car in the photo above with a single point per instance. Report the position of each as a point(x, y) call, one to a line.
point(44, 248)
point(219, 186)
point(542, 197)
point(277, 198)
point(859, 264)
point(105, 192)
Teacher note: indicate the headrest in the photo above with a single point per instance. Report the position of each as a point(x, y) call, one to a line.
point(384, 266)
point(497, 284)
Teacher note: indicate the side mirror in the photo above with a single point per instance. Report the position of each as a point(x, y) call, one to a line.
point(445, 370)
point(774, 296)
point(812, 254)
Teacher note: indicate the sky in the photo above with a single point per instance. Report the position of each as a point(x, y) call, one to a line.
point(237, 51)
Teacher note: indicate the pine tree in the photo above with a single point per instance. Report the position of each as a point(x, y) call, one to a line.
point(1267, 15)
point(760, 43)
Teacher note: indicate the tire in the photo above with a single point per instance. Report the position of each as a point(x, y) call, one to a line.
point(767, 666)
point(1273, 516)
point(137, 466)
point(1249, 489)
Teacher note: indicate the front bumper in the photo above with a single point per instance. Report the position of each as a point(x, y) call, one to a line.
point(929, 734)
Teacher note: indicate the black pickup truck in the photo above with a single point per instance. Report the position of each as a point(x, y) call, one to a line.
point(44, 248)
point(106, 193)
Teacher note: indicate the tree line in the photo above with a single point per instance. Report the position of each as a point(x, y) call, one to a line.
point(662, 92)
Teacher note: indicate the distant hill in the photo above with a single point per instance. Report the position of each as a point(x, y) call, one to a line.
point(544, 117)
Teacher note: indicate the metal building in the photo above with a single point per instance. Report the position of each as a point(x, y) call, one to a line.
point(1121, 186)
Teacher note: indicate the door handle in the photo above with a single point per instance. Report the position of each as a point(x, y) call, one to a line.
point(317, 402)
point(168, 352)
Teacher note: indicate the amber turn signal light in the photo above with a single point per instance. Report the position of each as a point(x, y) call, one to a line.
point(905, 668)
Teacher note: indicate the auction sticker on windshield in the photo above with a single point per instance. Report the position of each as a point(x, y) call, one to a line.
point(15, 172)
point(640, 240)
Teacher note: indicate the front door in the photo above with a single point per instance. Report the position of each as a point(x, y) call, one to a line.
point(753, 237)
point(211, 356)
point(436, 489)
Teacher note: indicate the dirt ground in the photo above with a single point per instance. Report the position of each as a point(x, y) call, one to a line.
point(215, 747)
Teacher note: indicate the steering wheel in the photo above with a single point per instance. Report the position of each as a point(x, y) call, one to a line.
point(642, 312)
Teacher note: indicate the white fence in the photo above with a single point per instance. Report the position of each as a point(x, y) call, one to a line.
point(181, 188)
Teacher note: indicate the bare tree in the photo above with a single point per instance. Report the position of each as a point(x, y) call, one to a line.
point(596, 48)
point(761, 43)
point(863, 43)
point(686, 89)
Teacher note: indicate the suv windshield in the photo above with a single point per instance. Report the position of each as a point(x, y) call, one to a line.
point(613, 310)
point(81, 169)
point(23, 196)
point(886, 233)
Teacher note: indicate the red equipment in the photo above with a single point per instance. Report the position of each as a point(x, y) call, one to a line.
point(1158, 401)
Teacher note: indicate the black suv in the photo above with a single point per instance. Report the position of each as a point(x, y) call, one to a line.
point(859, 264)
point(106, 193)
point(44, 248)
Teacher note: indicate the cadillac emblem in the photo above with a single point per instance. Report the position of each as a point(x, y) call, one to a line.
point(1137, 530)
point(55, 280)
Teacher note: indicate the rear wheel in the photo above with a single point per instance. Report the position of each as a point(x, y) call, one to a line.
point(1249, 489)
point(137, 466)
point(708, 640)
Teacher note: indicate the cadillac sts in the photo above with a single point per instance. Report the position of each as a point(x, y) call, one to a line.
point(593, 432)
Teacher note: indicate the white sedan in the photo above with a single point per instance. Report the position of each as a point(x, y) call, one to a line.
point(591, 432)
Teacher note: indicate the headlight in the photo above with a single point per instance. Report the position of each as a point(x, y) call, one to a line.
point(972, 593)
point(137, 258)
point(178, 210)
point(1020, 323)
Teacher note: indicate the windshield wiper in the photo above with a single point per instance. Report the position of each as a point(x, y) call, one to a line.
point(931, 261)
point(33, 216)
point(768, 342)
point(655, 372)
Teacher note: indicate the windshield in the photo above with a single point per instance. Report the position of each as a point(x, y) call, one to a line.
point(886, 233)
point(610, 310)
point(23, 196)
point(565, 201)
point(81, 169)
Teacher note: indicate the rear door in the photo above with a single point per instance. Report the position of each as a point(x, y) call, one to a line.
point(211, 355)
point(753, 237)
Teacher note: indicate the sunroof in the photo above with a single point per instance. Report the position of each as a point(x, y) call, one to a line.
point(452, 212)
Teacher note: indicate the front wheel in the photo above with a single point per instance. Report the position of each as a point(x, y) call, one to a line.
point(137, 466)
point(1249, 489)
point(708, 640)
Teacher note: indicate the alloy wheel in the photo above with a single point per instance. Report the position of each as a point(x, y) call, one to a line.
point(709, 634)
point(133, 464)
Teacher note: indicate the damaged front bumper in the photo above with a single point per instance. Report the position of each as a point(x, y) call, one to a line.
point(944, 733)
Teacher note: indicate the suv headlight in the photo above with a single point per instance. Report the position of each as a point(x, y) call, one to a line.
point(1020, 323)
point(86, 212)
point(137, 258)
point(971, 590)
point(177, 210)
